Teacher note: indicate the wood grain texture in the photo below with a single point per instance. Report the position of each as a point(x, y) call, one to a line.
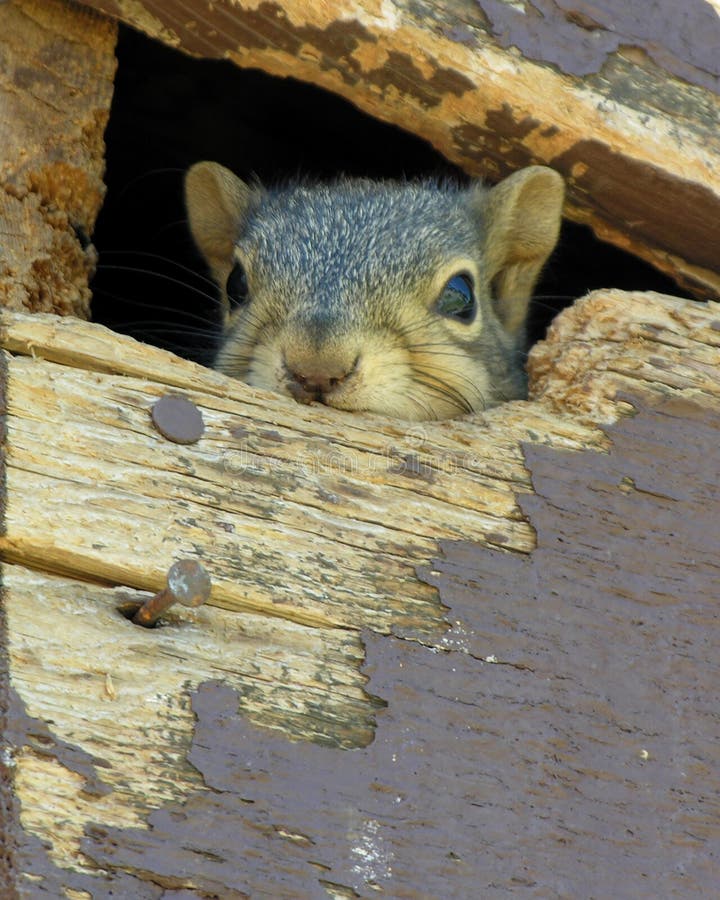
point(474, 653)
point(56, 77)
point(352, 501)
point(625, 106)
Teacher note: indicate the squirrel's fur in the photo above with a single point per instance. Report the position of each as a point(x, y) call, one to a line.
point(343, 282)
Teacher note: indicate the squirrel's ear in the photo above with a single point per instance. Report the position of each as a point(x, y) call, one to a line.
point(522, 215)
point(217, 202)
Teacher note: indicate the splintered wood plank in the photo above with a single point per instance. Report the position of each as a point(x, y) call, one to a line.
point(307, 514)
point(56, 84)
point(624, 105)
point(313, 515)
point(463, 615)
point(616, 342)
point(119, 695)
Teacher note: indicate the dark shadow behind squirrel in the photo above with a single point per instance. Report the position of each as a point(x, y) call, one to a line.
point(170, 110)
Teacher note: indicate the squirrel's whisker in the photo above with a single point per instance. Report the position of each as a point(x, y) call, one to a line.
point(146, 254)
point(149, 272)
point(443, 389)
point(151, 173)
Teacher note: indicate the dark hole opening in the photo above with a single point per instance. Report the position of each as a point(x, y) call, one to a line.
point(170, 110)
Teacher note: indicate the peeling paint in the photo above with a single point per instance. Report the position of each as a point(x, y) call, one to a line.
point(642, 197)
point(578, 37)
point(518, 753)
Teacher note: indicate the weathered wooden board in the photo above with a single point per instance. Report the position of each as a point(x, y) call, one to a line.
point(543, 715)
point(355, 504)
point(623, 103)
point(56, 79)
point(452, 659)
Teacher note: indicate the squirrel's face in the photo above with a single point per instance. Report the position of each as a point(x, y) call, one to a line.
point(407, 300)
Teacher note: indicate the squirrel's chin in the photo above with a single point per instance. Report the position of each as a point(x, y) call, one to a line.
point(405, 398)
point(395, 406)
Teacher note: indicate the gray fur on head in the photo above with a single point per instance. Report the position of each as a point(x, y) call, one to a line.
point(344, 281)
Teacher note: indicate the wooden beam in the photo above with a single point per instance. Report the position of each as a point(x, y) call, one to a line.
point(329, 536)
point(625, 107)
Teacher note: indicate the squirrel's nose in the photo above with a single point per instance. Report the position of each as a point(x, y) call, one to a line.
point(315, 379)
point(309, 383)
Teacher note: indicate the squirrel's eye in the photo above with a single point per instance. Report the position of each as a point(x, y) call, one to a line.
point(237, 287)
point(457, 300)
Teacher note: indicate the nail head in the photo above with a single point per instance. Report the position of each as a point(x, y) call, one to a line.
point(189, 582)
point(177, 419)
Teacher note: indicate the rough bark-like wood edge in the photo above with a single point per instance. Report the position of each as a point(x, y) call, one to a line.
point(56, 84)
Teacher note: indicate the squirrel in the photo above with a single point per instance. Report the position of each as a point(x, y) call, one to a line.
point(407, 299)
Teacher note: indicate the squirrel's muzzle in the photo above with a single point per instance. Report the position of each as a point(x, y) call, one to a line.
point(316, 375)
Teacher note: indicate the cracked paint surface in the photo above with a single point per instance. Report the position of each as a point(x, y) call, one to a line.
point(578, 37)
point(560, 737)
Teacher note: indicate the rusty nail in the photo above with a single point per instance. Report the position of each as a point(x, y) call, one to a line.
point(187, 583)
